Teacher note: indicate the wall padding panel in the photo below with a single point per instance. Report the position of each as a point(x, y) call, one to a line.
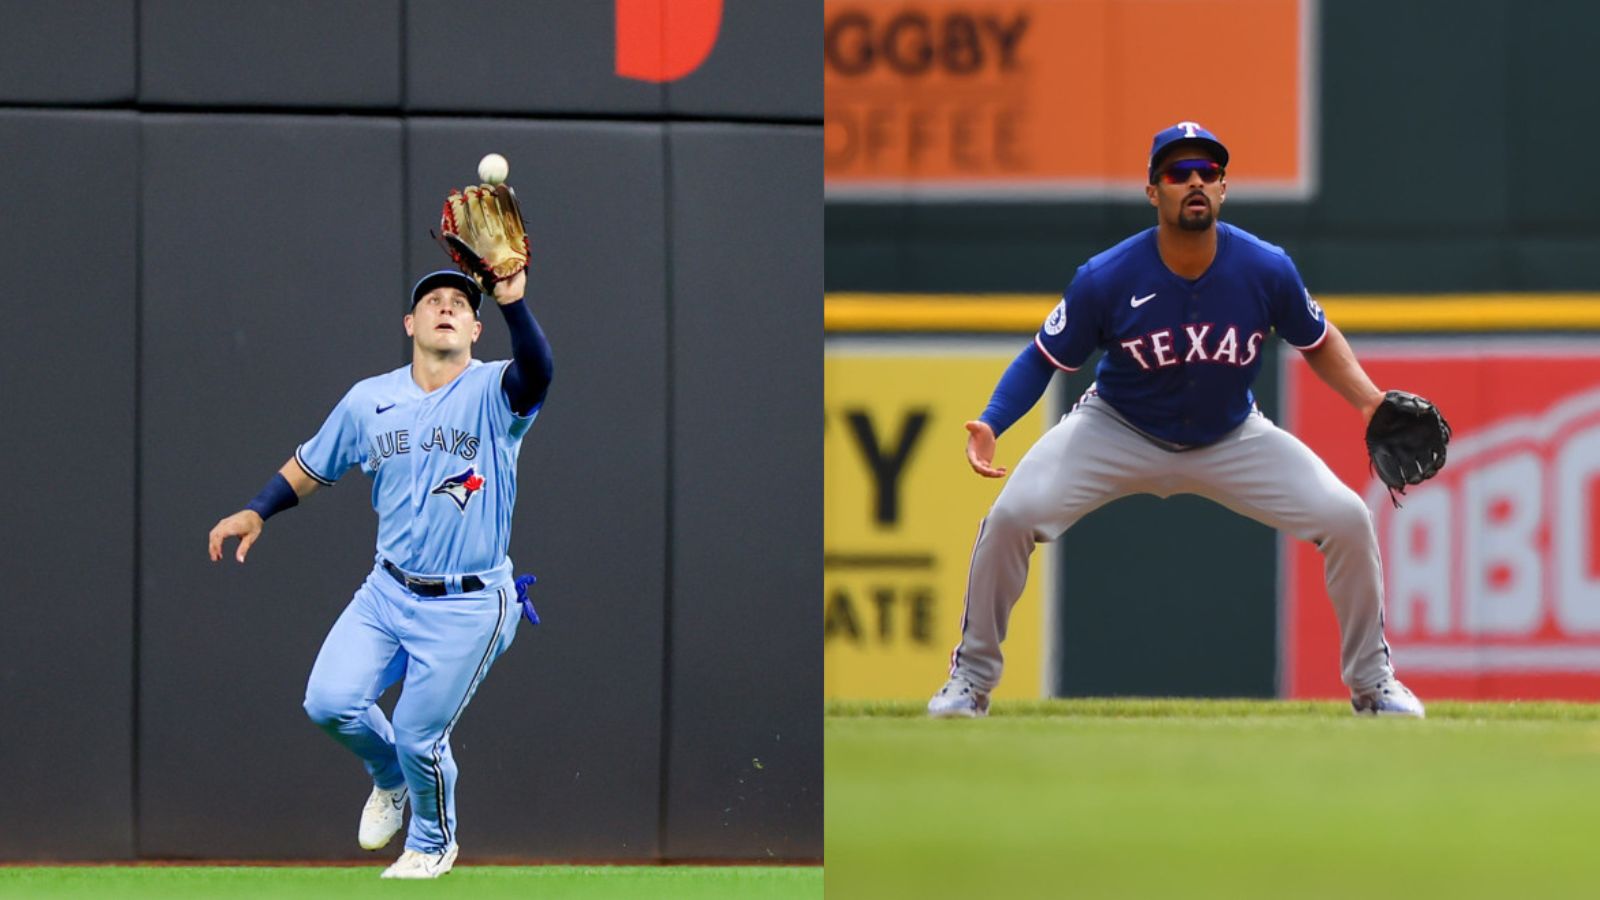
point(764, 65)
point(67, 53)
point(66, 652)
point(273, 280)
point(283, 53)
point(745, 717)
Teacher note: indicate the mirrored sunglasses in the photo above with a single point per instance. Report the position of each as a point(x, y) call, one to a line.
point(1179, 172)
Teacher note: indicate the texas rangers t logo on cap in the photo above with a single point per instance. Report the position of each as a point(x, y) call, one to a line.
point(461, 487)
point(1190, 133)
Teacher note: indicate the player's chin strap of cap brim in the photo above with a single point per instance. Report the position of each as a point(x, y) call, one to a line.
point(523, 583)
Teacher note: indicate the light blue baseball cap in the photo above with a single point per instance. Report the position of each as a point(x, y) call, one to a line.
point(448, 278)
point(1184, 134)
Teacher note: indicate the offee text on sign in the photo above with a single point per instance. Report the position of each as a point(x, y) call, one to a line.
point(914, 90)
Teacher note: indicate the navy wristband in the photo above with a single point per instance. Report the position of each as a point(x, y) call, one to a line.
point(276, 497)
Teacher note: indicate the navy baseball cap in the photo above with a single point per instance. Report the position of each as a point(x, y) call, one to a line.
point(1185, 134)
point(448, 278)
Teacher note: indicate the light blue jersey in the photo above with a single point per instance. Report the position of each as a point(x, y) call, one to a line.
point(444, 477)
point(443, 467)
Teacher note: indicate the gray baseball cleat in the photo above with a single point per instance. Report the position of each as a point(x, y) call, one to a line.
point(382, 817)
point(958, 699)
point(1387, 698)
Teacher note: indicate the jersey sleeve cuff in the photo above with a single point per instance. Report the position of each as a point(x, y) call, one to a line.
point(1314, 344)
point(300, 461)
point(1053, 361)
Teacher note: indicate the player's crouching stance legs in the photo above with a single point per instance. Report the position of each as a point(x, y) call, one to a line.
point(1180, 312)
point(440, 439)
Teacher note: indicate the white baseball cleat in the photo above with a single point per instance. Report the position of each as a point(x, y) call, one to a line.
point(382, 817)
point(416, 864)
point(958, 699)
point(1387, 698)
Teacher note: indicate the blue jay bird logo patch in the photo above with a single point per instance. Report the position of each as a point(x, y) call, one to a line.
point(461, 487)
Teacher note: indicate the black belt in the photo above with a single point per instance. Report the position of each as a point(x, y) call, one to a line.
point(431, 587)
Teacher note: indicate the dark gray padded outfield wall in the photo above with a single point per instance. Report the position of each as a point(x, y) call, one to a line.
point(779, 40)
point(747, 270)
point(68, 53)
point(68, 529)
point(283, 53)
point(241, 217)
point(241, 363)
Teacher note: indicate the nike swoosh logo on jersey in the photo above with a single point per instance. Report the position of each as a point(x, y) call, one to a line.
point(384, 409)
point(1137, 302)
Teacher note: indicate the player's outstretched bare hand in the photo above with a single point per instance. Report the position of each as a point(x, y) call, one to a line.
point(244, 525)
point(980, 450)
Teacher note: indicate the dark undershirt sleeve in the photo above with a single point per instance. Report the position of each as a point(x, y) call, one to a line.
point(527, 378)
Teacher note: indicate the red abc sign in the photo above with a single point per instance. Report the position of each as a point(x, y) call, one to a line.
point(1492, 569)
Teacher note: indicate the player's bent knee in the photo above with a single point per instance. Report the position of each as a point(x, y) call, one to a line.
point(327, 711)
point(1347, 517)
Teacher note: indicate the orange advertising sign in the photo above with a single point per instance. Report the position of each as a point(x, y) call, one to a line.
point(1060, 98)
point(1492, 568)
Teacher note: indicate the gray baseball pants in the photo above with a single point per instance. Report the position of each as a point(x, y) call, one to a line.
point(1093, 456)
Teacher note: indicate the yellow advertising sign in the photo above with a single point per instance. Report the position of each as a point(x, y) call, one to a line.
point(901, 509)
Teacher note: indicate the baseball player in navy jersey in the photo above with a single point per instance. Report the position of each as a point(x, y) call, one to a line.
point(439, 438)
point(1181, 311)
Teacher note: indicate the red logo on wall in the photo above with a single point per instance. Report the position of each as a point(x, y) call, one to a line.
point(1491, 569)
point(664, 40)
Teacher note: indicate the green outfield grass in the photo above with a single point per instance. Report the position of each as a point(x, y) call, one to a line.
point(476, 882)
point(1197, 799)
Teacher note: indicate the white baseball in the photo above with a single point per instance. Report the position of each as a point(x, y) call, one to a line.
point(493, 169)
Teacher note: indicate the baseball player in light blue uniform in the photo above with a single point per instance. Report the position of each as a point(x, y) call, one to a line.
point(1180, 311)
point(439, 438)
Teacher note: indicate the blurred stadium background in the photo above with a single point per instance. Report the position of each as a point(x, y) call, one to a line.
point(213, 214)
point(1421, 162)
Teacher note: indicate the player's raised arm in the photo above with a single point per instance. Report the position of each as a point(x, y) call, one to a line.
point(527, 379)
point(283, 491)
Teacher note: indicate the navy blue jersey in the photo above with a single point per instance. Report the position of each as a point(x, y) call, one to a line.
point(1180, 355)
